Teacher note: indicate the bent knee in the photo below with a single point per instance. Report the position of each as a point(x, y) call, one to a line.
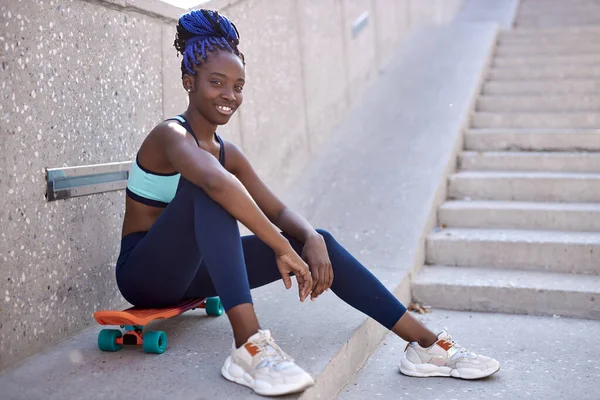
point(187, 186)
point(326, 235)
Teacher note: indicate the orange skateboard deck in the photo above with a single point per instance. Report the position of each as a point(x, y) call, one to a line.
point(134, 319)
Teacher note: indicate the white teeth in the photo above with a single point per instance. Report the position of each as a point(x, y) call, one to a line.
point(224, 108)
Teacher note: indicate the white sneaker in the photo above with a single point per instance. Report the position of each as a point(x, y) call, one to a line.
point(262, 366)
point(446, 358)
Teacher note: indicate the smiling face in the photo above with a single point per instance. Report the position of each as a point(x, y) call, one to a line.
point(216, 89)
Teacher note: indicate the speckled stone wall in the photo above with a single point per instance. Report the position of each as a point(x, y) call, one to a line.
point(84, 81)
point(81, 84)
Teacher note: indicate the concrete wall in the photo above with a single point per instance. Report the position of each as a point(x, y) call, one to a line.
point(84, 81)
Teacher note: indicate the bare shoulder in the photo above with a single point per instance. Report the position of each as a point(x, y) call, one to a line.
point(234, 156)
point(232, 149)
point(168, 132)
point(166, 141)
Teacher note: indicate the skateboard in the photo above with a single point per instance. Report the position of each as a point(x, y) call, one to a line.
point(134, 319)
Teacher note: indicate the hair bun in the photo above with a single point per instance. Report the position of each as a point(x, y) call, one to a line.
point(208, 23)
point(200, 32)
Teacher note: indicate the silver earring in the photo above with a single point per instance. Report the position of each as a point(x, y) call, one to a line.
point(189, 90)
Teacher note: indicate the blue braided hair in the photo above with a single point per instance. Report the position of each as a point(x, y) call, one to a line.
point(200, 32)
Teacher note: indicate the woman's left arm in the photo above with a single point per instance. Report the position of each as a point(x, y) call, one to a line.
point(290, 222)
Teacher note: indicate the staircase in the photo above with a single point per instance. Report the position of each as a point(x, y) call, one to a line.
point(520, 230)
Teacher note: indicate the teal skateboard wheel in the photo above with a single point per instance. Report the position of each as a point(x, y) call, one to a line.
point(214, 306)
point(107, 340)
point(155, 342)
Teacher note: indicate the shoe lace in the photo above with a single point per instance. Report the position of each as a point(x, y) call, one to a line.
point(462, 351)
point(271, 353)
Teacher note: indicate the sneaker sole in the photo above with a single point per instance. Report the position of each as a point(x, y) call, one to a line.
point(428, 370)
point(236, 374)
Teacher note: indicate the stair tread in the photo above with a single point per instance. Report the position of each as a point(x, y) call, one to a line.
point(562, 81)
point(551, 67)
point(531, 154)
point(541, 87)
point(518, 205)
point(529, 161)
point(550, 96)
point(536, 32)
point(536, 119)
point(578, 59)
point(536, 114)
point(555, 104)
point(524, 174)
point(558, 45)
point(516, 236)
point(494, 131)
point(507, 278)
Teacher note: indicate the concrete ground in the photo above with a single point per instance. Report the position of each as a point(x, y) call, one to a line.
point(190, 368)
point(540, 357)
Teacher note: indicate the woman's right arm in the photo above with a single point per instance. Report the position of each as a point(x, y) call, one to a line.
point(203, 170)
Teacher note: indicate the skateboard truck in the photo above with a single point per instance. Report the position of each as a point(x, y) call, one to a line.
point(133, 335)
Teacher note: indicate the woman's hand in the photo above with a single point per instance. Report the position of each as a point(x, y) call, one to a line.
point(316, 256)
point(289, 261)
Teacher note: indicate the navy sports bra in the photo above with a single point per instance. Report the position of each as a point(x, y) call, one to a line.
point(158, 189)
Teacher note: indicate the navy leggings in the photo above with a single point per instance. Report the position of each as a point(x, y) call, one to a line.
point(194, 249)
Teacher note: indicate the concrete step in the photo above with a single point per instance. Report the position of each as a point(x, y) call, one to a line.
point(543, 4)
point(553, 49)
point(569, 13)
point(559, 103)
point(578, 217)
point(559, 25)
point(536, 120)
point(557, 22)
point(546, 6)
point(529, 161)
point(525, 32)
point(543, 60)
point(554, 251)
point(578, 15)
point(543, 88)
point(545, 72)
point(525, 186)
point(549, 40)
point(508, 291)
point(532, 140)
